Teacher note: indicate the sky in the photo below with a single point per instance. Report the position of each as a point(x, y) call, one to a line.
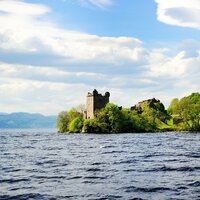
point(52, 52)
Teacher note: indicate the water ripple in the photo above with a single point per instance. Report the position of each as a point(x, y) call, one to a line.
point(44, 165)
point(11, 180)
point(143, 189)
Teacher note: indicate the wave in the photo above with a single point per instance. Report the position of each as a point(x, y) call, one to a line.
point(34, 196)
point(146, 189)
point(195, 184)
point(112, 152)
point(178, 169)
point(94, 170)
point(11, 180)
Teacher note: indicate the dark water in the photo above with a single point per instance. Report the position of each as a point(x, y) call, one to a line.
point(41, 164)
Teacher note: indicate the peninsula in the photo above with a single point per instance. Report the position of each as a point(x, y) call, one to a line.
point(101, 116)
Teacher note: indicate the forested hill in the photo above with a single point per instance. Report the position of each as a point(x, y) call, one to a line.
point(26, 120)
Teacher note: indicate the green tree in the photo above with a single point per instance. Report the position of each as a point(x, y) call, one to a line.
point(66, 120)
point(73, 113)
point(190, 114)
point(174, 107)
point(127, 123)
point(92, 126)
point(62, 122)
point(187, 111)
point(114, 118)
point(76, 125)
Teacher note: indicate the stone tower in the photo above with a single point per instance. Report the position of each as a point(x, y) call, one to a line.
point(95, 101)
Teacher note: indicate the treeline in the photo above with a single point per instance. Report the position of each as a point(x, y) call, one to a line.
point(182, 115)
point(186, 112)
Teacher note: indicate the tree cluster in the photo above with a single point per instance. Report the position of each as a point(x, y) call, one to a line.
point(182, 115)
point(186, 112)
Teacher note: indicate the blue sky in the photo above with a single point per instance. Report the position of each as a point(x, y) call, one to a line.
point(53, 52)
point(130, 18)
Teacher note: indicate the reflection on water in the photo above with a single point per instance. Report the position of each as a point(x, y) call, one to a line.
point(41, 164)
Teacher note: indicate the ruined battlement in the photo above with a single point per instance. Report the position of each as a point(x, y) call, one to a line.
point(149, 102)
point(96, 94)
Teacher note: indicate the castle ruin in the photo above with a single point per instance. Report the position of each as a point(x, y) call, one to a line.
point(149, 102)
point(95, 101)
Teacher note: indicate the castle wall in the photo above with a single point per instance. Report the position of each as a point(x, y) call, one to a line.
point(100, 102)
point(95, 101)
point(90, 107)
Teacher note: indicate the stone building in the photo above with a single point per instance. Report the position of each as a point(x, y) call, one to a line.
point(95, 101)
point(149, 102)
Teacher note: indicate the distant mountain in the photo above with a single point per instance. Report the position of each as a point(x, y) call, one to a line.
point(26, 120)
point(2, 113)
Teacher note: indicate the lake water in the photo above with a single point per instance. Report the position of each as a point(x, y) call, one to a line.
point(41, 164)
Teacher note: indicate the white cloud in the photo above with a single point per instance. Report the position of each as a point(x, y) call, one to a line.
point(24, 70)
point(48, 74)
point(50, 89)
point(20, 8)
point(179, 65)
point(39, 96)
point(27, 33)
point(118, 64)
point(183, 13)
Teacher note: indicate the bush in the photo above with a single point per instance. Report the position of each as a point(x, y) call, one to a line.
point(91, 126)
point(71, 121)
point(76, 125)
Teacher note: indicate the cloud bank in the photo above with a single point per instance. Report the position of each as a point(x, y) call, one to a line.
point(71, 63)
point(184, 13)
